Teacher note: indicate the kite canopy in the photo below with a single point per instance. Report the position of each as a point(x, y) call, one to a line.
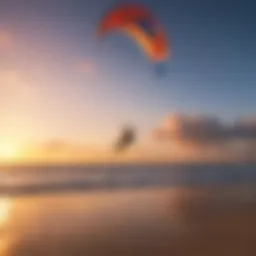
point(141, 26)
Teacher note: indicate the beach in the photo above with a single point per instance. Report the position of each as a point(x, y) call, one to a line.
point(151, 221)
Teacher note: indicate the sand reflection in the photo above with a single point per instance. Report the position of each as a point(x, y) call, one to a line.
point(139, 222)
point(5, 206)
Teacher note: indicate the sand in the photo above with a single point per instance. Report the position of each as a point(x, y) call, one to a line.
point(182, 221)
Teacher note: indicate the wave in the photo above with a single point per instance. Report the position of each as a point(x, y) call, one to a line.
point(34, 180)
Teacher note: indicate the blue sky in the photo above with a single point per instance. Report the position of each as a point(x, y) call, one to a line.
point(212, 69)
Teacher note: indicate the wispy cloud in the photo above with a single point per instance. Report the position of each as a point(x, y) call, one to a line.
point(62, 150)
point(66, 151)
point(62, 146)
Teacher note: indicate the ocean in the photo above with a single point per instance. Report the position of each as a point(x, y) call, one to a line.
point(29, 180)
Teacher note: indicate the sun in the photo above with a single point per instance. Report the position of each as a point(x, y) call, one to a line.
point(8, 152)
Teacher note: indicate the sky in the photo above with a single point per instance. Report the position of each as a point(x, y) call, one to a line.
point(65, 95)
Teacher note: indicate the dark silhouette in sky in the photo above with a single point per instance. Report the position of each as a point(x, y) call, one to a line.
point(126, 139)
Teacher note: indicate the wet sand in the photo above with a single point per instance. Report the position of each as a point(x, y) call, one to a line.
point(218, 221)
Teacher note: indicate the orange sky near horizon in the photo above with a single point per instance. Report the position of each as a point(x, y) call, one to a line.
point(64, 100)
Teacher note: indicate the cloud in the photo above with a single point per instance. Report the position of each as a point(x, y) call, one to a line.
point(62, 146)
point(54, 146)
point(6, 40)
point(192, 138)
point(66, 151)
point(63, 151)
point(209, 136)
point(204, 129)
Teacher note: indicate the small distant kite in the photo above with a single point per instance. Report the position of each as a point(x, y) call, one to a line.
point(140, 25)
point(126, 139)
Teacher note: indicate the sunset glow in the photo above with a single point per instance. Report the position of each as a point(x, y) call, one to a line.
point(9, 153)
point(59, 83)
